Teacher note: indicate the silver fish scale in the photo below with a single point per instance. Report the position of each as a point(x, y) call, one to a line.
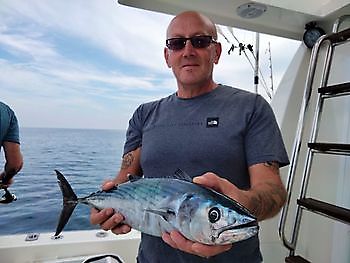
point(135, 200)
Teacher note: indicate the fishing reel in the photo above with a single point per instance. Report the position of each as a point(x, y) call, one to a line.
point(7, 197)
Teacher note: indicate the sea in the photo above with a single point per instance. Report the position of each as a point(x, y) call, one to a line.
point(86, 157)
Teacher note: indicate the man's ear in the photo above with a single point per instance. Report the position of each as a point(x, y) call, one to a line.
point(218, 50)
point(166, 56)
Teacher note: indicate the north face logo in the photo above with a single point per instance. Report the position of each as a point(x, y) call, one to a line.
point(212, 122)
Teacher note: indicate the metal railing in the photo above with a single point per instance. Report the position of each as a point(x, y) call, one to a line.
point(331, 38)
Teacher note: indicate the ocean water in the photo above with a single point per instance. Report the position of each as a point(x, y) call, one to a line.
point(85, 157)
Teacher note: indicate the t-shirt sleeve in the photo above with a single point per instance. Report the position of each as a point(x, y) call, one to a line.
point(134, 131)
point(12, 134)
point(263, 138)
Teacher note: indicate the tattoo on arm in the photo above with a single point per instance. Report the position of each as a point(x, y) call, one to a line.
point(127, 160)
point(266, 202)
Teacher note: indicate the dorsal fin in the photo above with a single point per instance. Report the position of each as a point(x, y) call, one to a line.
point(133, 178)
point(179, 174)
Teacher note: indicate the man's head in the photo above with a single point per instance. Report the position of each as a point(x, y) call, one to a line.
point(192, 59)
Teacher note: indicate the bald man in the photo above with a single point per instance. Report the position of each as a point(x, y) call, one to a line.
point(224, 137)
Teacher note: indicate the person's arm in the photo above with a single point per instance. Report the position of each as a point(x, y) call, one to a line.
point(107, 218)
point(13, 161)
point(264, 199)
point(130, 165)
point(267, 194)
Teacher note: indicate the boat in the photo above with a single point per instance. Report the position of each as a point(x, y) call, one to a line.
point(313, 111)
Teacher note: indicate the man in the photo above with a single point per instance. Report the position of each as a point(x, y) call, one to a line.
point(9, 141)
point(227, 135)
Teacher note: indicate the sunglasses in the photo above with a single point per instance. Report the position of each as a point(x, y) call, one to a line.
point(178, 43)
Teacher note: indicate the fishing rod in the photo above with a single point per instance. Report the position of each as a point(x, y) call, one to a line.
point(270, 65)
point(242, 49)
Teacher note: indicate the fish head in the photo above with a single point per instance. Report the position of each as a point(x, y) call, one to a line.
point(216, 221)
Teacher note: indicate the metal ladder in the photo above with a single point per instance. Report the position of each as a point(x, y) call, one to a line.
point(314, 147)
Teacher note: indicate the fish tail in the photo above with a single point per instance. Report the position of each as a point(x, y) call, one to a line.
point(70, 201)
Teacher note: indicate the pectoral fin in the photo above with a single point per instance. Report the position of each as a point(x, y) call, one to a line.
point(167, 214)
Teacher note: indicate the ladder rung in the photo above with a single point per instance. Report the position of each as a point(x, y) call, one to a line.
point(340, 36)
point(336, 212)
point(296, 259)
point(341, 148)
point(338, 89)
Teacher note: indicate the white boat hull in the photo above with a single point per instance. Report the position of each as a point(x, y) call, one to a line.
point(74, 246)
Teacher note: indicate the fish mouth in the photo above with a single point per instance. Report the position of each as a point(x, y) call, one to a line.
point(251, 224)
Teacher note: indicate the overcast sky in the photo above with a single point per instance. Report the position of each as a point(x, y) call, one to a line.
point(89, 64)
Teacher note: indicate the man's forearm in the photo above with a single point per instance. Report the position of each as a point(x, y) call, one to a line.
point(14, 159)
point(9, 172)
point(267, 193)
point(266, 199)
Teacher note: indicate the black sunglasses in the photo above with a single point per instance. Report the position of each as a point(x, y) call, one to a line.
point(178, 43)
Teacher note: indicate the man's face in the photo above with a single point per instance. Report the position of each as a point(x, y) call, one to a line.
point(192, 66)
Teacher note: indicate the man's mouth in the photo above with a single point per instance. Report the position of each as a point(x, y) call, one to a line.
point(189, 65)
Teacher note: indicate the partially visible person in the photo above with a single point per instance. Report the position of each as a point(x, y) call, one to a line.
point(9, 141)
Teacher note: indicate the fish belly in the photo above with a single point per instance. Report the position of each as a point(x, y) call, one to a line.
point(138, 203)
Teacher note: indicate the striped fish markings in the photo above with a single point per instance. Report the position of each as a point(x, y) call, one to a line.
point(157, 205)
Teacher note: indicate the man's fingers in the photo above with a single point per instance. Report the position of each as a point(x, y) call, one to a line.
point(167, 239)
point(217, 183)
point(180, 241)
point(108, 220)
point(176, 240)
point(121, 229)
point(112, 222)
point(210, 180)
point(108, 185)
point(98, 217)
point(209, 251)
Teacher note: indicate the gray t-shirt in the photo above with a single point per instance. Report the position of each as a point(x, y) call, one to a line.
point(224, 131)
point(9, 130)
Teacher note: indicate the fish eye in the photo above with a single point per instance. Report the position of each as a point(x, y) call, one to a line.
point(214, 215)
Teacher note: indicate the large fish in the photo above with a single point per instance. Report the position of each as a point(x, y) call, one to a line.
point(157, 205)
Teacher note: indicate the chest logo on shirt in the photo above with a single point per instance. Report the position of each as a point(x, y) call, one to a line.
point(213, 122)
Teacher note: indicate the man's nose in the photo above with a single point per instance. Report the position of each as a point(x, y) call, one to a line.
point(188, 47)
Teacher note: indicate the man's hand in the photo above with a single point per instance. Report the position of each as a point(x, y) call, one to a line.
point(178, 241)
point(222, 185)
point(4, 184)
point(107, 218)
point(266, 194)
point(14, 161)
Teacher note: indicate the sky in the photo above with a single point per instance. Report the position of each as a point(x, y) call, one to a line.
point(89, 64)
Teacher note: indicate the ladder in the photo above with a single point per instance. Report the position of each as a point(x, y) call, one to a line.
point(325, 92)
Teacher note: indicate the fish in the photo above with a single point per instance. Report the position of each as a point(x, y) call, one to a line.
point(157, 205)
